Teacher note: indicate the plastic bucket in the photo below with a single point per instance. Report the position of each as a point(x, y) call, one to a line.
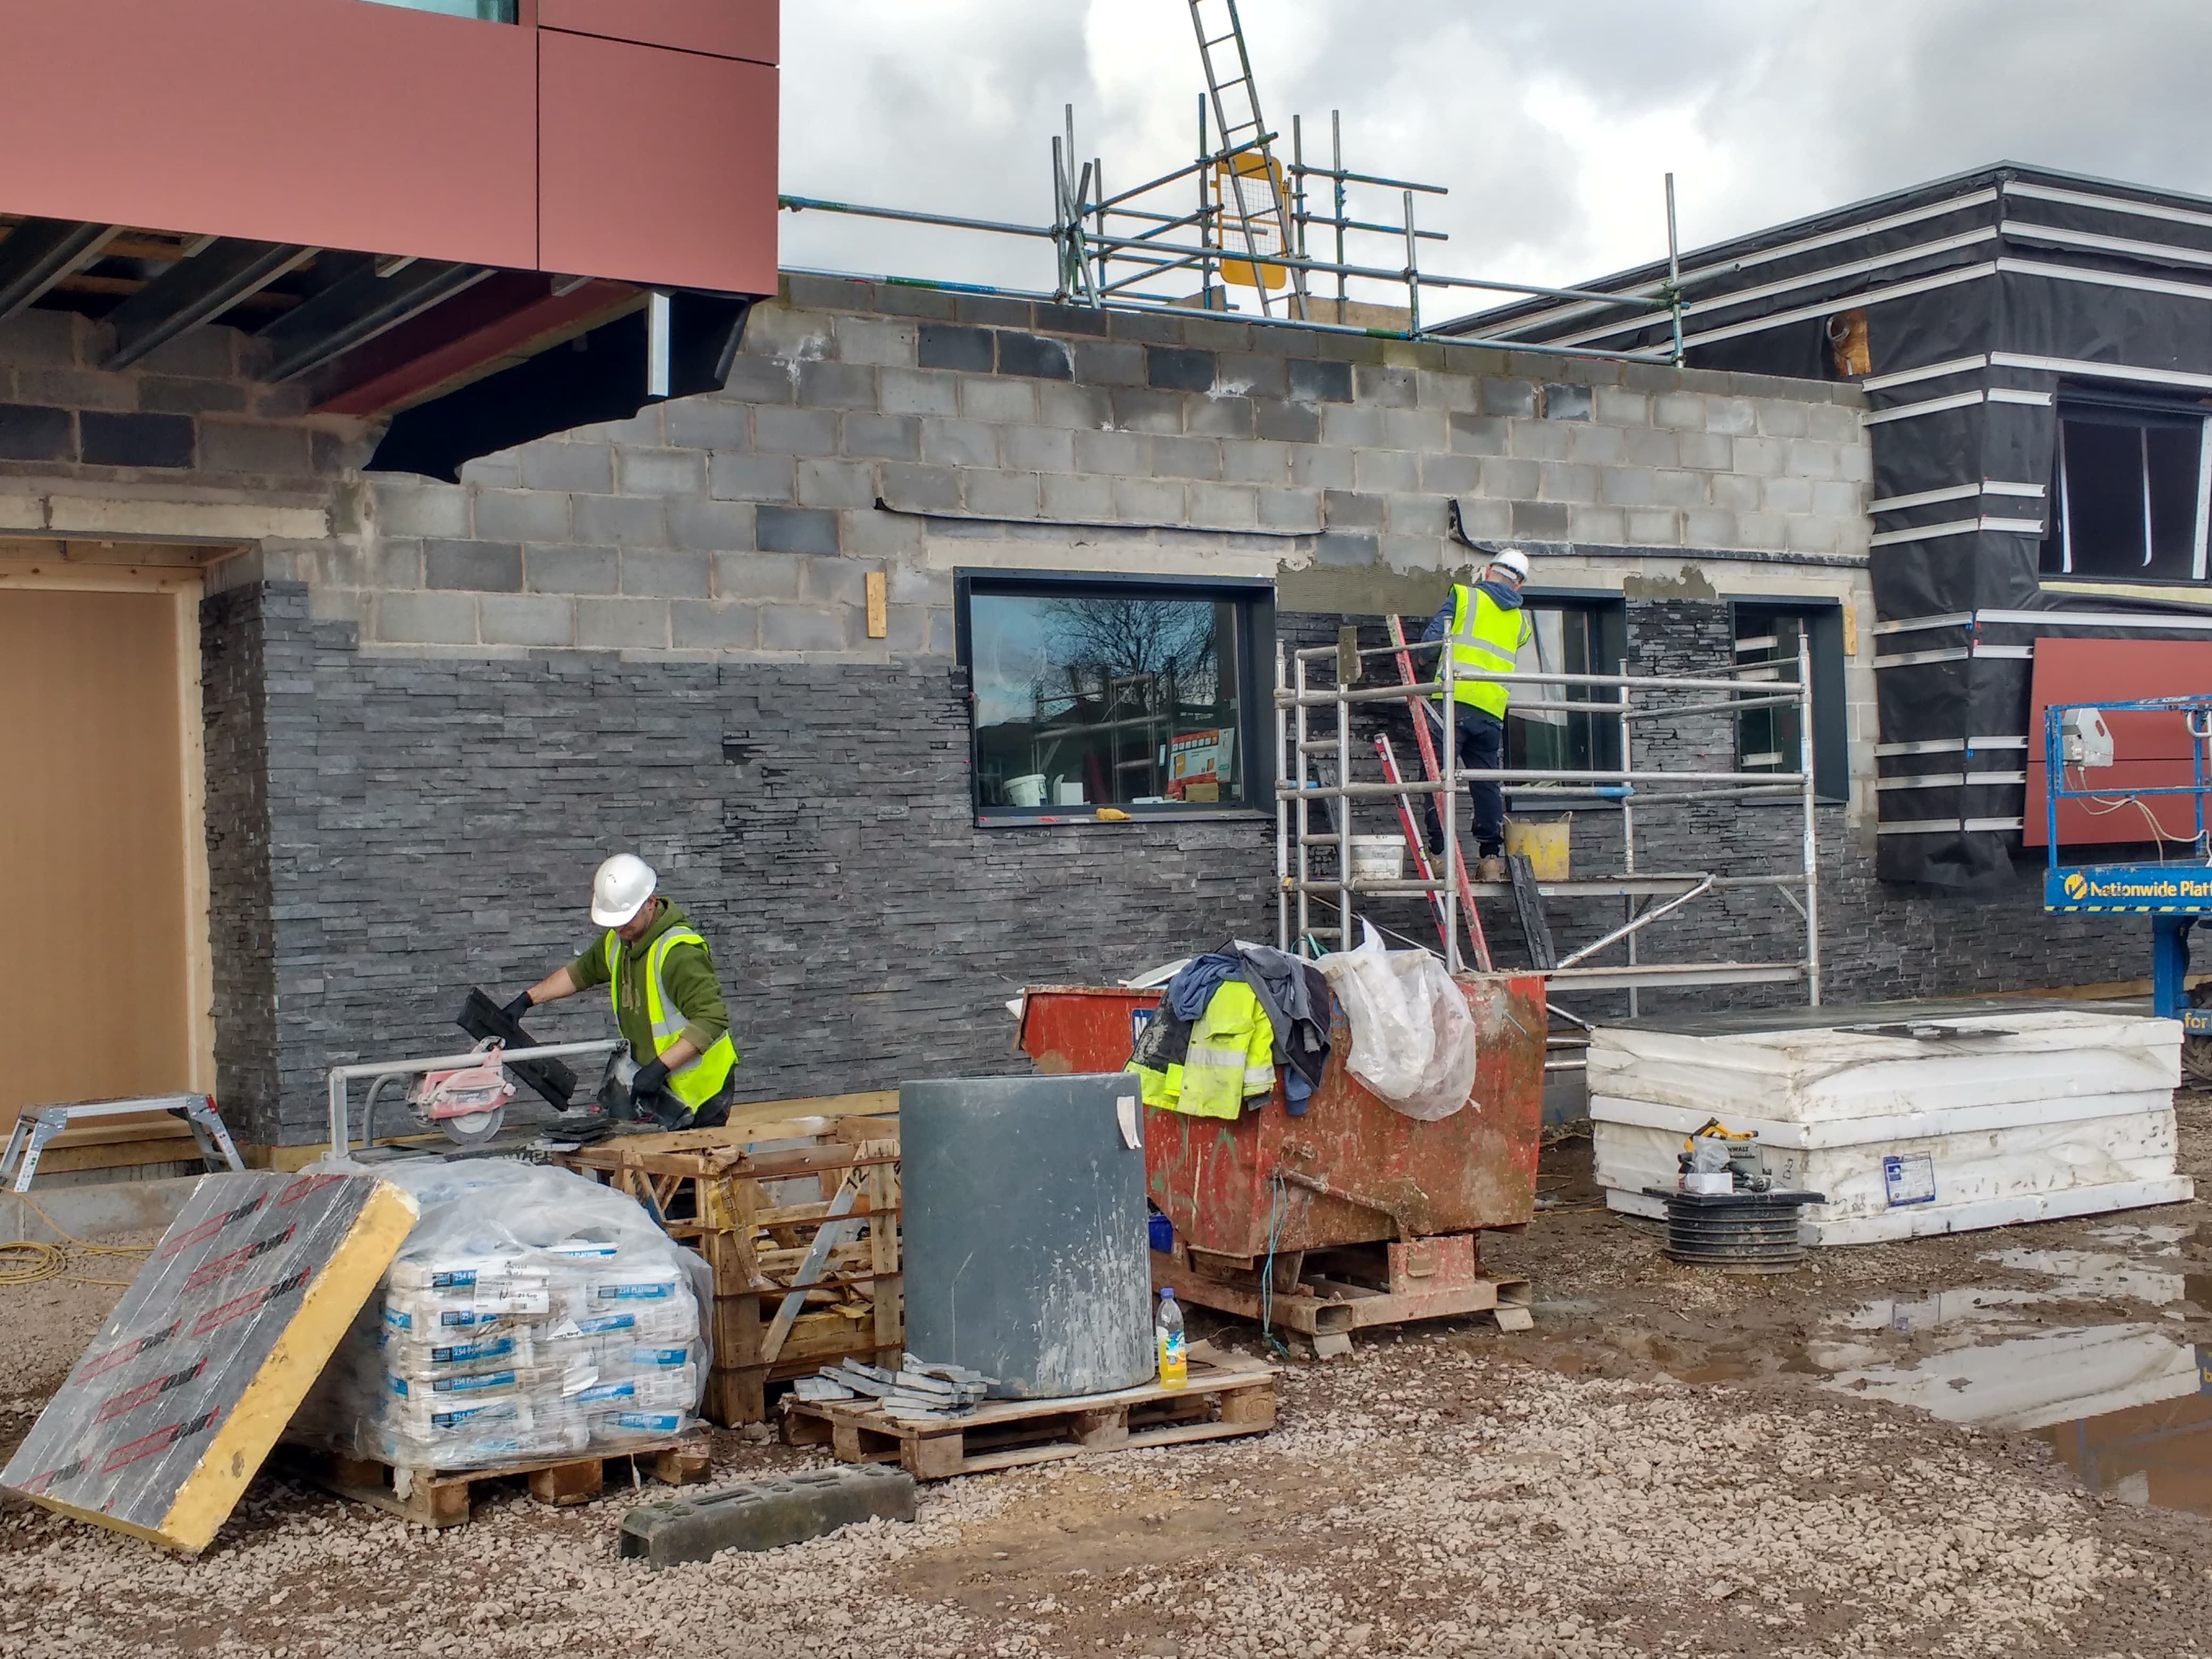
point(1378, 858)
point(1027, 791)
point(1544, 845)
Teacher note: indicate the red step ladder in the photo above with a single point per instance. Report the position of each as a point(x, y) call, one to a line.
point(1433, 770)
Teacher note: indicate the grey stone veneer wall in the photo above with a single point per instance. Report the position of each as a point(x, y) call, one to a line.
point(422, 824)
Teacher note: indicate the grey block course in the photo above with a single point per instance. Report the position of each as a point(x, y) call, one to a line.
point(1036, 449)
point(1315, 381)
point(834, 483)
point(712, 423)
point(666, 574)
point(959, 443)
point(521, 515)
point(1178, 369)
point(795, 431)
point(528, 619)
point(623, 625)
point(34, 432)
point(624, 520)
point(758, 575)
point(970, 350)
point(904, 392)
point(247, 448)
point(105, 439)
point(554, 466)
point(427, 618)
point(710, 525)
point(714, 626)
point(796, 627)
point(1010, 402)
point(566, 569)
point(883, 437)
point(795, 529)
point(1035, 355)
point(476, 567)
point(1138, 409)
point(742, 478)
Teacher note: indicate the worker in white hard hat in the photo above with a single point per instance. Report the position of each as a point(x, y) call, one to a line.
point(667, 1001)
point(1488, 626)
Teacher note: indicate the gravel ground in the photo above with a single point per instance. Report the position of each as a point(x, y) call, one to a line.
point(1655, 1470)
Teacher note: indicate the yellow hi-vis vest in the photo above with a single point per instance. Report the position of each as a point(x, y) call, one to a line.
point(700, 1078)
point(1486, 639)
point(1232, 1059)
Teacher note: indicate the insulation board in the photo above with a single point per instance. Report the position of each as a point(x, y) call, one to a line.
point(2008, 1111)
point(167, 1416)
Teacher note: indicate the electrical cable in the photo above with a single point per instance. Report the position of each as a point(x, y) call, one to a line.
point(30, 1261)
point(1279, 1202)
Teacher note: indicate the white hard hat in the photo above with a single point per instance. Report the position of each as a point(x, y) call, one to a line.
point(1512, 559)
point(620, 889)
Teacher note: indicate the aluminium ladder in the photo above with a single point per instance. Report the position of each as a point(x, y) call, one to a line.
point(1236, 101)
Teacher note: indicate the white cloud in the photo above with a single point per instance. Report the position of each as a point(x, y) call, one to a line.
point(1552, 126)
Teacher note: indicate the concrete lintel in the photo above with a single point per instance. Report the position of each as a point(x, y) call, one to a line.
point(22, 513)
point(1081, 554)
point(217, 523)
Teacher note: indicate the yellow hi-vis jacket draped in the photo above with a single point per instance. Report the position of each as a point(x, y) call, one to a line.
point(1486, 639)
point(1231, 1058)
point(700, 1078)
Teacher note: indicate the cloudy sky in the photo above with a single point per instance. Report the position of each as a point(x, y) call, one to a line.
point(1552, 124)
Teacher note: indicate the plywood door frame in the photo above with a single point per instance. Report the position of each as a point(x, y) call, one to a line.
point(183, 586)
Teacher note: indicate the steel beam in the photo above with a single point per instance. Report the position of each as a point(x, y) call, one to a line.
point(39, 253)
point(359, 307)
point(196, 291)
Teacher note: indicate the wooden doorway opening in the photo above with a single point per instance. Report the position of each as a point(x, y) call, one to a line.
point(106, 983)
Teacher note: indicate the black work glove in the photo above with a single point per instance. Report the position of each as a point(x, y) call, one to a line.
point(516, 1009)
point(645, 1089)
point(671, 1113)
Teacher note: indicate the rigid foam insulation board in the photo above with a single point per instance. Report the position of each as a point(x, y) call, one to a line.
point(168, 1415)
point(2023, 1111)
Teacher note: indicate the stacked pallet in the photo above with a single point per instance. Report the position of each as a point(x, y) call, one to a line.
point(798, 1221)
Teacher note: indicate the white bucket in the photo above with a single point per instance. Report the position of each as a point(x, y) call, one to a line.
point(1378, 858)
point(1027, 791)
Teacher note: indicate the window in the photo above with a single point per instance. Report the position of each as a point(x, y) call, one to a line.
point(2131, 492)
point(1767, 740)
point(1566, 638)
point(488, 11)
point(1143, 694)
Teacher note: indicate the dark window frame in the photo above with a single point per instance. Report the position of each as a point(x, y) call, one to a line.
point(1608, 612)
point(2119, 410)
point(1255, 600)
point(506, 9)
point(1824, 627)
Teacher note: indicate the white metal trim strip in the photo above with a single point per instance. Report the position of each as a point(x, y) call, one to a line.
point(1921, 624)
point(2103, 279)
point(2000, 487)
point(1910, 659)
point(2013, 394)
point(2094, 619)
point(1567, 312)
point(2096, 371)
point(2012, 526)
point(1922, 827)
point(1853, 302)
point(1925, 498)
point(2121, 245)
point(1924, 781)
point(1928, 532)
point(1931, 746)
point(1931, 406)
point(1975, 745)
point(1929, 372)
point(2107, 204)
point(1973, 825)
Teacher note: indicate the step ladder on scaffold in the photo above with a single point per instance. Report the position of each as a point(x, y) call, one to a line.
point(1257, 210)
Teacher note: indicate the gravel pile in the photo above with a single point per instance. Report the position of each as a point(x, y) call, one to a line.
point(1425, 1499)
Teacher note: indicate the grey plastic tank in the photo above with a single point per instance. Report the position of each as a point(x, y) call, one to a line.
point(1024, 1234)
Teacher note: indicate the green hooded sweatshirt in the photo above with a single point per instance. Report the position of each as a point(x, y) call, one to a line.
point(689, 972)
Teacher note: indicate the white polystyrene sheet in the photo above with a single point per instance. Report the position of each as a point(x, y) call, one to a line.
point(1684, 1121)
point(1824, 1075)
point(1984, 1178)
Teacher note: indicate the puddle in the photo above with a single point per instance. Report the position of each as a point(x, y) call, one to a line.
point(2160, 1452)
point(2095, 1275)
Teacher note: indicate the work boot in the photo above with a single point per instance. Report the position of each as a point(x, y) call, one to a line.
point(1490, 867)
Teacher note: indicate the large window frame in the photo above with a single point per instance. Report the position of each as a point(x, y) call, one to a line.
point(1593, 629)
point(1766, 630)
point(2131, 492)
point(1253, 603)
point(480, 11)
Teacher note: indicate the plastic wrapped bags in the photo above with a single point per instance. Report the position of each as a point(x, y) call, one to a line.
point(532, 1313)
point(1413, 1039)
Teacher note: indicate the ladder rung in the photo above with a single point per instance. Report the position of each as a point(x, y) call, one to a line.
point(1219, 40)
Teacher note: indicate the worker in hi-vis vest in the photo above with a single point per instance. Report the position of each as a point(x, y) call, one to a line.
point(667, 1001)
point(1486, 625)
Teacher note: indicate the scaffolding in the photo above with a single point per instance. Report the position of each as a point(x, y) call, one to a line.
point(1321, 687)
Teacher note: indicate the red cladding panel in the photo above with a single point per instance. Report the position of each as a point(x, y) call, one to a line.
point(656, 167)
point(727, 29)
point(2150, 750)
point(329, 122)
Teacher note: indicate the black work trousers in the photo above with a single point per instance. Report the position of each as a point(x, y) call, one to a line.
point(1481, 744)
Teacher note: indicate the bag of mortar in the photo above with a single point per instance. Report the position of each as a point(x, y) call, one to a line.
point(532, 1312)
point(1413, 1039)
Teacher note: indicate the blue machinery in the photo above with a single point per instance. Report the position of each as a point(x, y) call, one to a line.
point(2174, 893)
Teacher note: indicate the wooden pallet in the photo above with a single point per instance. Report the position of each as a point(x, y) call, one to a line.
point(441, 1497)
point(1226, 1396)
point(753, 1200)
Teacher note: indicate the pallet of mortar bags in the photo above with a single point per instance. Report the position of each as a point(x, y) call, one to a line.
point(192, 1379)
point(799, 1222)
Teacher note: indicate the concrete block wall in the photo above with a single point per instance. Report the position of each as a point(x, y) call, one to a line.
point(909, 431)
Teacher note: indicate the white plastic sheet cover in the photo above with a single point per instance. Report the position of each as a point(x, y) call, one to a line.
point(531, 1314)
point(1413, 1039)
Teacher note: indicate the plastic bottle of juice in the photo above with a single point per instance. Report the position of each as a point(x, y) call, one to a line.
point(1167, 1327)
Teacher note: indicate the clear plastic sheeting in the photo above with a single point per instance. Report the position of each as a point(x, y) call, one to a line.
point(1413, 1039)
point(532, 1313)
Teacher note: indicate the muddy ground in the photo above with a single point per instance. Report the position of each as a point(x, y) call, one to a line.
point(1670, 1462)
